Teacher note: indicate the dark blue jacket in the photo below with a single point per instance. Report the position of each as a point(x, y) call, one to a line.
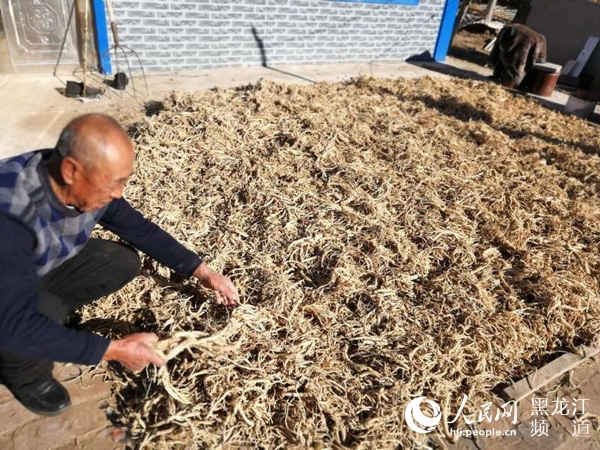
point(38, 233)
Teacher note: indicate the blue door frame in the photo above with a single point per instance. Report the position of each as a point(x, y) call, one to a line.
point(101, 31)
point(446, 26)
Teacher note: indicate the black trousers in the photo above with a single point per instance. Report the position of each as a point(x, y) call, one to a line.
point(99, 269)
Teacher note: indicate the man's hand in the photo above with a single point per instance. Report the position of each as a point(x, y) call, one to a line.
point(134, 351)
point(225, 291)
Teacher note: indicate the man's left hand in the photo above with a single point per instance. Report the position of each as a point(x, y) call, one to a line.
point(225, 292)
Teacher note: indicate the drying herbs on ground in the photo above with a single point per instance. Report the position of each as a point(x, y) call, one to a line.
point(390, 239)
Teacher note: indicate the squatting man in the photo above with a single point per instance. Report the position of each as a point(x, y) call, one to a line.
point(50, 201)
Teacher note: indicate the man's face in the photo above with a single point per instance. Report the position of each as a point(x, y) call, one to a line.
point(97, 185)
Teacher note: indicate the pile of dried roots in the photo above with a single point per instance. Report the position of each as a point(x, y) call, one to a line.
point(390, 239)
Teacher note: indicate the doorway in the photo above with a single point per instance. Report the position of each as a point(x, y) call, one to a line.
point(32, 35)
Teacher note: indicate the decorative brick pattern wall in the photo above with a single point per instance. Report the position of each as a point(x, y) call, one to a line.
point(173, 35)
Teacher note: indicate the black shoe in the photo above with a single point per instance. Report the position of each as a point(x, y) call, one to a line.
point(47, 397)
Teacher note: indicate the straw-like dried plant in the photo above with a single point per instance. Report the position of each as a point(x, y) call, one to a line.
point(390, 238)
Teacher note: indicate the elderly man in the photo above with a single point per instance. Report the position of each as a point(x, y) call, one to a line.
point(50, 201)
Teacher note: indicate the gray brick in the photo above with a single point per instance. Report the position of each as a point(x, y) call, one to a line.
point(248, 45)
point(299, 17)
point(313, 11)
point(214, 23)
point(173, 64)
point(197, 15)
point(130, 39)
point(124, 23)
point(284, 51)
point(174, 31)
point(287, 38)
point(141, 30)
point(185, 53)
point(122, 6)
point(288, 10)
point(255, 17)
point(244, 8)
point(288, 24)
point(158, 54)
point(231, 45)
point(155, 5)
point(213, 38)
point(173, 14)
point(232, 60)
point(134, 13)
point(361, 13)
point(313, 37)
point(274, 17)
point(144, 46)
point(245, 37)
point(227, 16)
point(197, 31)
point(157, 38)
point(184, 23)
point(199, 60)
point(156, 22)
point(339, 18)
point(197, 46)
point(170, 46)
point(243, 25)
point(245, 52)
point(184, 38)
point(208, 54)
point(214, 7)
point(178, 6)
point(274, 45)
point(148, 63)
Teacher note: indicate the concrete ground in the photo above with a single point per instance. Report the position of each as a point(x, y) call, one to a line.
point(83, 426)
point(33, 112)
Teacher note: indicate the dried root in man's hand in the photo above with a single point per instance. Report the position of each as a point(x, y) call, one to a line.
point(169, 348)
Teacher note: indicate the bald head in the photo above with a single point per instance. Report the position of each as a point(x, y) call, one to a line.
point(92, 161)
point(94, 139)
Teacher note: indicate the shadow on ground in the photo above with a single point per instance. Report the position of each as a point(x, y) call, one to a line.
point(447, 69)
